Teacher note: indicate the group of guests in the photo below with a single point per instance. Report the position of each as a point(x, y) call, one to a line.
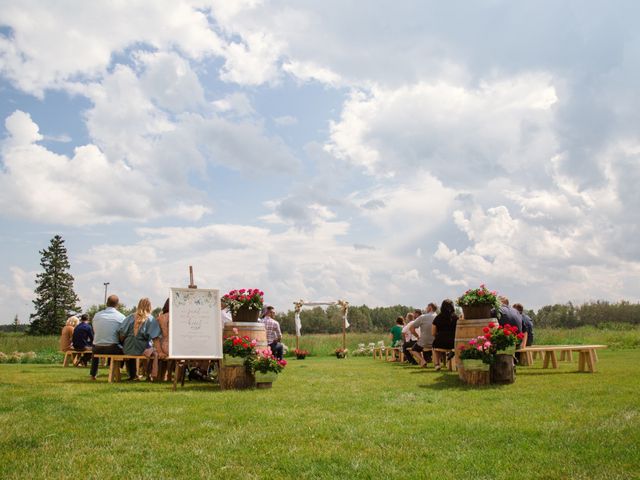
point(419, 333)
point(116, 334)
point(138, 334)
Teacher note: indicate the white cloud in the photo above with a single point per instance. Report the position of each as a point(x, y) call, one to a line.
point(457, 133)
point(47, 187)
point(55, 43)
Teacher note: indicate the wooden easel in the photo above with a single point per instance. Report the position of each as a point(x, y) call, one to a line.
point(181, 365)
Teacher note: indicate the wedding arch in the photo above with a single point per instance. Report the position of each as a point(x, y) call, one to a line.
point(344, 307)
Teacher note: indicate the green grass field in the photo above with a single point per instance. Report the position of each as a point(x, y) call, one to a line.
point(326, 418)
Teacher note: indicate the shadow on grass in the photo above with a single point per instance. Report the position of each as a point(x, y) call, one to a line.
point(451, 381)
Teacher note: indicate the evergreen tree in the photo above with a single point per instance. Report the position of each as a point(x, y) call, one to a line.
point(16, 323)
point(55, 298)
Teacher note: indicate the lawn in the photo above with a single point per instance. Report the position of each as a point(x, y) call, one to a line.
point(325, 418)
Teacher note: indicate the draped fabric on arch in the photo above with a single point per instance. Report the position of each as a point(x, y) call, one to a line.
point(343, 304)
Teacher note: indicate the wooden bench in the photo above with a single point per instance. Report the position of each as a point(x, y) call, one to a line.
point(449, 361)
point(379, 352)
point(395, 353)
point(586, 361)
point(116, 363)
point(71, 355)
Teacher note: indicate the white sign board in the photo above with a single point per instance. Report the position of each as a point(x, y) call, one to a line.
point(195, 327)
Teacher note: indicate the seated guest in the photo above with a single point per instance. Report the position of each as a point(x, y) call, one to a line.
point(396, 332)
point(162, 348)
point(509, 315)
point(66, 335)
point(444, 330)
point(138, 332)
point(106, 324)
point(527, 324)
point(83, 340)
point(410, 339)
point(421, 351)
point(274, 335)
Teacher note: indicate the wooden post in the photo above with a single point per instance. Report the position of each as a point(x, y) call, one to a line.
point(344, 333)
point(297, 342)
point(191, 284)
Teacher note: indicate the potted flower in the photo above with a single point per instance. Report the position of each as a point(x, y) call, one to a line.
point(237, 349)
point(476, 355)
point(266, 367)
point(300, 354)
point(502, 338)
point(477, 303)
point(341, 352)
point(244, 304)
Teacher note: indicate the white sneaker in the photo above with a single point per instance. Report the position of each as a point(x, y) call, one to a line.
point(437, 368)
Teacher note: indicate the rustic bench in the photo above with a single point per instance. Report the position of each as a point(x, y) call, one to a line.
point(379, 352)
point(395, 353)
point(449, 361)
point(587, 355)
point(116, 363)
point(71, 355)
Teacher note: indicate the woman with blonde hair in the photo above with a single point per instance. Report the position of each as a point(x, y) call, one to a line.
point(139, 332)
point(66, 335)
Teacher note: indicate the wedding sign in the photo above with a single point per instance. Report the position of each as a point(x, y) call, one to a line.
point(195, 326)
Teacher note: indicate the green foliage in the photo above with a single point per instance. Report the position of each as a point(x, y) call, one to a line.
point(55, 298)
point(126, 311)
point(335, 418)
point(592, 313)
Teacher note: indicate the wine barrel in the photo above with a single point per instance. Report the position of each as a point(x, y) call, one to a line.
point(253, 330)
point(237, 377)
point(466, 329)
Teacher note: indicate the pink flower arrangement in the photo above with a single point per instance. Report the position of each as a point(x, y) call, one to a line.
point(252, 298)
point(264, 361)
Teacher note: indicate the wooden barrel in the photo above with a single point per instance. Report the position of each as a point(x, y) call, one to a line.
point(253, 330)
point(466, 329)
point(238, 377)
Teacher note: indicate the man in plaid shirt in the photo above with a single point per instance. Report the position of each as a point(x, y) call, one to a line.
point(274, 335)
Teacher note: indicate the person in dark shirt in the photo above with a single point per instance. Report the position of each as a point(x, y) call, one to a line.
point(83, 340)
point(509, 315)
point(444, 329)
point(527, 324)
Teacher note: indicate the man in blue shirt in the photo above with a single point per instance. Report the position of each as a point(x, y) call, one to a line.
point(527, 323)
point(509, 315)
point(83, 340)
point(106, 324)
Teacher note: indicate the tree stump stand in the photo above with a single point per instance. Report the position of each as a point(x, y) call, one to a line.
point(503, 370)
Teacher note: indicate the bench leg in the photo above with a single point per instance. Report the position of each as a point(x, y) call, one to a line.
point(554, 359)
point(563, 355)
point(595, 355)
point(65, 361)
point(547, 357)
point(591, 361)
point(112, 369)
point(581, 361)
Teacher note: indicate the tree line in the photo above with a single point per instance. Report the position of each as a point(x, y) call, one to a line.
point(381, 319)
point(56, 300)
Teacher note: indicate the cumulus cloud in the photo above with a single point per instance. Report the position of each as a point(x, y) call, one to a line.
point(47, 187)
point(459, 134)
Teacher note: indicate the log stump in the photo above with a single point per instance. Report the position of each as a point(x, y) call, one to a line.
point(235, 378)
point(503, 370)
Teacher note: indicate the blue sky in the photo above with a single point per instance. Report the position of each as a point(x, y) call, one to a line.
point(378, 152)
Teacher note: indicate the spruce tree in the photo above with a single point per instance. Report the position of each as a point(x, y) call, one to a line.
point(55, 299)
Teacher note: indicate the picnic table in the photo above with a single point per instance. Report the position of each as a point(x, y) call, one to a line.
point(586, 361)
